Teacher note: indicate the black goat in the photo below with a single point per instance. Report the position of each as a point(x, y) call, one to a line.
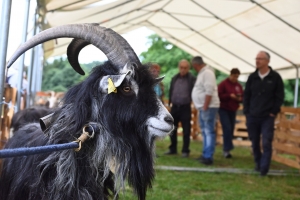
point(118, 96)
point(29, 115)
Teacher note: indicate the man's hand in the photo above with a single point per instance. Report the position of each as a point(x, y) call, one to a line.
point(233, 96)
point(272, 115)
point(205, 107)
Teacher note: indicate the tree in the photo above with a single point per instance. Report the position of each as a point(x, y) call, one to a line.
point(59, 76)
point(167, 56)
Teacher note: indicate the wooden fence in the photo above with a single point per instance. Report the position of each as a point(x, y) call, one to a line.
point(286, 143)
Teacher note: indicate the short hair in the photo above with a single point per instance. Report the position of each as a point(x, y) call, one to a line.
point(197, 60)
point(183, 60)
point(155, 66)
point(235, 71)
point(267, 54)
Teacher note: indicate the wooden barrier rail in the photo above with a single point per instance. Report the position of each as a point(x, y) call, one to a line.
point(8, 105)
point(286, 143)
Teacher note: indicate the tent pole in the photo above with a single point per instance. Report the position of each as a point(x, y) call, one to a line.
point(276, 16)
point(189, 47)
point(238, 57)
point(296, 88)
point(253, 40)
point(4, 29)
point(30, 67)
point(21, 66)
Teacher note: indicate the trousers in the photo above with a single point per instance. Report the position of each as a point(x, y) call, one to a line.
point(261, 127)
point(227, 119)
point(181, 113)
point(207, 121)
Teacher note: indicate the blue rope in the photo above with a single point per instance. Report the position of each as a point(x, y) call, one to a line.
point(25, 151)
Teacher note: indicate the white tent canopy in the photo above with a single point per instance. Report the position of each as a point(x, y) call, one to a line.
point(226, 33)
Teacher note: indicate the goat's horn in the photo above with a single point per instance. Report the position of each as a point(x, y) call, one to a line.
point(77, 45)
point(46, 121)
point(73, 51)
point(96, 35)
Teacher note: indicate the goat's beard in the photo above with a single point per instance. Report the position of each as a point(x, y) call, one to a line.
point(126, 161)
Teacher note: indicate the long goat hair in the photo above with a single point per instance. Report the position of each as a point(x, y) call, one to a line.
point(129, 119)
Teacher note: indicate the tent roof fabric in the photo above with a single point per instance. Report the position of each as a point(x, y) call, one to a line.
point(226, 33)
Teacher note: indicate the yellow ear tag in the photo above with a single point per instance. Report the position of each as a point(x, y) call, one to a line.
point(111, 87)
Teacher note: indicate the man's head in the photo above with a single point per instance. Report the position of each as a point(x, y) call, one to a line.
point(155, 70)
point(197, 63)
point(262, 60)
point(234, 75)
point(184, 67)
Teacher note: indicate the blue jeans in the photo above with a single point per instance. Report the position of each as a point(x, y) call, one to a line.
point(227, 119)
point(207, 121)
point(264, 127)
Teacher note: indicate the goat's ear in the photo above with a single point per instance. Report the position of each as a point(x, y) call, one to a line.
point(159, 79)
point(116, 79)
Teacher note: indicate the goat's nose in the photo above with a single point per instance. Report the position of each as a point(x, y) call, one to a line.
point(169, 119)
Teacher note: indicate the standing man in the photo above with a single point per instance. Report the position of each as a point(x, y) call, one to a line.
point(263, 97)
point(206, 100)
point(230, 94)
point(180, 98)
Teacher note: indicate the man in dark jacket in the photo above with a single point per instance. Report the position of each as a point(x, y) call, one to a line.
point(180, 101)
point(263, 97)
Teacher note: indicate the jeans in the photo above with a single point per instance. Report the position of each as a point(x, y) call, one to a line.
point(257, 127)
point(207, 120)
point(181, 114)
point(227, 119)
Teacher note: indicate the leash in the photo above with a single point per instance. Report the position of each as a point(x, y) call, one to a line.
point(88, 132)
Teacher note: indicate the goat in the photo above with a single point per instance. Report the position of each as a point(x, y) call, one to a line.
point(29, 115)
point(119, 98)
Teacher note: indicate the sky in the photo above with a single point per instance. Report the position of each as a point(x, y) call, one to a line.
point(137, 38)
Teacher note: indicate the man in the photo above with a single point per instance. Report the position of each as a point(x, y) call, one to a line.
point(159, 87)
point(263, 97)
point(230, 94)
point(206, 100)
point(180, 98)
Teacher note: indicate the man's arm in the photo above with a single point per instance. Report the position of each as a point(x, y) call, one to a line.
point(206, 102)
point(247, 96)
point(279, 97)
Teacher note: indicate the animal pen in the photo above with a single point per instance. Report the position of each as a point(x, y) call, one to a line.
point(286, 143)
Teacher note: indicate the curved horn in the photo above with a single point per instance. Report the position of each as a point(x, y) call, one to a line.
point(73, 51)
point(96, 35)
point(77, 45)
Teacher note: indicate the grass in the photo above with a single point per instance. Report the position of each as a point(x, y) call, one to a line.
point(186, 185)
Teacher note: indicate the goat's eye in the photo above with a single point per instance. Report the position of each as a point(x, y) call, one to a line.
point(126, 89)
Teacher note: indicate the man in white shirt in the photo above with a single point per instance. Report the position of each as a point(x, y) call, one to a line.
point(206, 100)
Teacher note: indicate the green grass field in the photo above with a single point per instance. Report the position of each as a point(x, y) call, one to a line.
point(189, 185)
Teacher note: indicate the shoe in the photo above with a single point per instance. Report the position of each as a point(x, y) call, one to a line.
point(263, 174)
point(227, 154)
point(185, 155)
point(199, 158)
point(206, 161)
point(170, 153)
point(257, 168)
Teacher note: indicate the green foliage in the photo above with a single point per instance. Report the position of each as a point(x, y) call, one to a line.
point(289, 90)
point(59, 76)
point(163, 53)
